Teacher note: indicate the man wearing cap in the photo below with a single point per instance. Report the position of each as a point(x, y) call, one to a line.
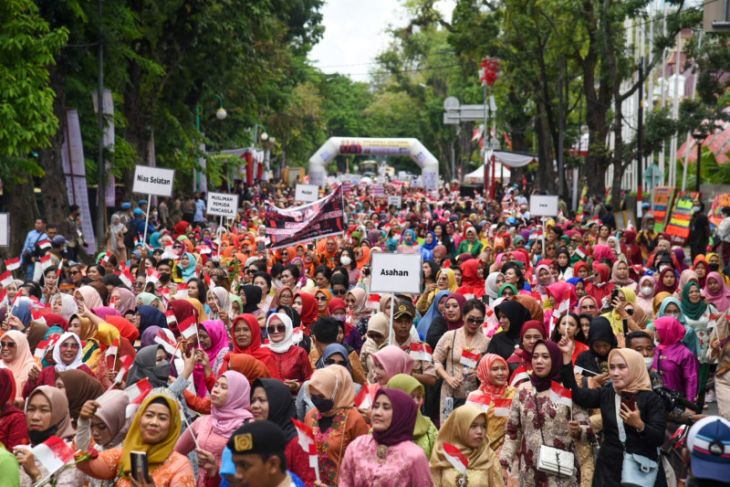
point(708, 442)
point(423, 368)
point(258, 456)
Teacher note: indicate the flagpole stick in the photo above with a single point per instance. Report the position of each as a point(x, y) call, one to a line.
point(220, 236)
point(391, 337)
point(146, 220)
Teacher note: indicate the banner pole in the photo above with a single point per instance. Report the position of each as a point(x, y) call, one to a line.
point(147, 219)
point(220, 236)
point(391, 335)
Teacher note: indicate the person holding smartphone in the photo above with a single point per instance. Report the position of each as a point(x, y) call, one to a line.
point(633, 415)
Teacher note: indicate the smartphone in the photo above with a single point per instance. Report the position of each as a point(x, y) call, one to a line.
point(140, 467)
point(629, 400)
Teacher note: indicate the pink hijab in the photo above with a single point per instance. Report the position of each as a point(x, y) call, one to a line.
point(721, 299)
point(394, 361)
point(91, 297)
point(669, 330)
point(235, 412)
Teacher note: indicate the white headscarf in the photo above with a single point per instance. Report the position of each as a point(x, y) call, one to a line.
point(288, 341)
point(60, 366)
point(224, 300)
point(68, 305)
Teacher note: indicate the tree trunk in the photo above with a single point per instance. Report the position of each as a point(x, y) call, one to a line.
point(22, 208)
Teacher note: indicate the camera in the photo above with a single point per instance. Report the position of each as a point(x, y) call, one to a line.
point(673, 401)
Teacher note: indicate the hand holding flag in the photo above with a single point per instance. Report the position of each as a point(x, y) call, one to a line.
point(457, 459)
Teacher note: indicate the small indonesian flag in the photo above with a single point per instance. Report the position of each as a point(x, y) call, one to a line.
point(501, 406)
point(40, 349)
point(152, 276)
point(480, 399)
point(188, 328)
point(46, 262)
point(365, 398)
point(519, 376)
point(3, 293)
point(12, 264)
point(469, 359)
point(306, 437)
point(204, 250)
point(127, 361)
point(373, 301)
point(297, 334)
point(44, 244)
point(6, 279)
point(421, 351)
point(37, 315)
point(170, 317)
point(138, 391)
point(581, 253)
point(715, 316)
point(53, 454)
point(181, 290)
point(167, 342)
point(106, 257)
point(561, 395)
point(126, 277)
point(113, 349)
point(59, 271)
point(457, 459)
point(208, 281)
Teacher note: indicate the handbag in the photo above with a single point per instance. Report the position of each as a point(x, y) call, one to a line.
point(636, 470)
point(554, 461)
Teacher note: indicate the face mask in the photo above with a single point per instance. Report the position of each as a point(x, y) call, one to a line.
point(345, 260)
point(646, 291)
point(695, 209)
point(648, 361)
point(38, 437)
point(322, 405)
point(714, 267)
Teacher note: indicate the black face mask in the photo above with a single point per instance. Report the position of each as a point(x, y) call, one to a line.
point(714, 267)
point(322, 405)
point(38, 437)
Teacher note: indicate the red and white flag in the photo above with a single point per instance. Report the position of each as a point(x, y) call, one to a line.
point(59, 271)
point(125, 275)
point(188, 328)
point(297, 334)
point(519, 376)
point(482, 400)
point(46, 262)
point(3, 293)
point(138, 391)
point(113, 349)
point(366, 397)
point(421, 351)
point(44, 244)
point(561, 395)
point(167, 342)
point(457, 459)
point(40, 349)
point(204, 250)
point(53, 454)
point(306, 441)
point(170, 317)
point(107, 257)
point(12, 264)
point(127, 362)
point(501, 406)
point(152, 276)
point(469, 359)
point(6, 279)
point(37, 315)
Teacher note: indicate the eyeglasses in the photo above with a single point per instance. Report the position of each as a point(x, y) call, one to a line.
point(474, 320)
point(250, 271)
point(339, 292)
point(275, 329)
point(7, 345)
point(322, 298)
point(330, 361)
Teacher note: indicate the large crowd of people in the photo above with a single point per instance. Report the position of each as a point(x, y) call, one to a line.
point(560, 351)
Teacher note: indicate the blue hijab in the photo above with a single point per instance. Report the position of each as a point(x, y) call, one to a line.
point(433, 312)
point(150, 316)
point(189, 271)
point(332, 349)
point(21, 310)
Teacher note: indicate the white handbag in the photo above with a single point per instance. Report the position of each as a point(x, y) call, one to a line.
point(555, 461)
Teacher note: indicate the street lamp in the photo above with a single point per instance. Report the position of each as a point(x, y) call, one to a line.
point(221, 113)
point(699, 135)
point(264, 137)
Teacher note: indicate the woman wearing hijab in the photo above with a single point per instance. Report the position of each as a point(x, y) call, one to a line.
point(666, 282)
point(292, 361)
point(46, 412)
point(621, 320)
point(512, 315)
point(520, 362)
point(433, 315)
point(306, 305)
point(213, 339)
point(149, 316)
point(670, 306)
point(247, 340)
point(600, 287)
point(466, 429)
point(184, 309)
point(79, 388)
point(188, 263)
point(453, 318)
point(16, 357)
point(494, 388)
point(445, 281)
point(601, 340)
point(471, 283)
point(375, 339)
point(335, 421)
point(253, 295)
point(645, 295)
point(633, 416)
point(151, 362)
point(148, 299)
point(544, 278)
point(491, 286)
point(126, 328)
point(429, 244)
point(123, 300)
point(424, 431)
point(620, 274)
point(378, 459)
point(674, 361)
point(89, 297)
point(13, 426)
point(65, 305)
point(271, 400)
point(700, 317)
point(154, 430)
point(357, 311)
point(388, 362)
point(219, 302)
point(716, 292)
point(457, 354)
point(230, 404)
point(535, 420)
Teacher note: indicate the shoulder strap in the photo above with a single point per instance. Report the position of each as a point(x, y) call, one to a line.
point(619, 421)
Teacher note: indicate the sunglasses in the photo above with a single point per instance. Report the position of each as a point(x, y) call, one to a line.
point(275, 329)
point(339, 292)
point(474, 320)
point(7, 344)
point(330, 361)
point(322, 298)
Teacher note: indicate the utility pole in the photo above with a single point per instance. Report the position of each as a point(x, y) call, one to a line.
point(640, 142)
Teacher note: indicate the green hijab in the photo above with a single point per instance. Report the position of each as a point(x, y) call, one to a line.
point(693, 311)
point(505, 286)
point(147, 298)
point(409, 385)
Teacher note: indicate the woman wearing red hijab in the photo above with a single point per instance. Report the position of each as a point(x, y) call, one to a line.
point(13, 426)
point(306, 305)
point(471, 283)
point(600, 287)
point(247, 340)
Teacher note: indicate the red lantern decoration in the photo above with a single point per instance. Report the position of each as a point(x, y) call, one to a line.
point(489, 71)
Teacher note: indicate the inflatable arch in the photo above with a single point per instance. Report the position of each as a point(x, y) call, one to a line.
point(368, 146)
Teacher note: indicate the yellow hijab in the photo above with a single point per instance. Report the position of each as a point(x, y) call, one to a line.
point(156, 454)
point(455, 431)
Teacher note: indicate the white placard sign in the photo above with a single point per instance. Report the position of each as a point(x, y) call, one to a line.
point(395, 273)
point(153, 180)
point(394, 201)
point(307, 192)
point(222, 204)
point(543, 205)
point(4, 230)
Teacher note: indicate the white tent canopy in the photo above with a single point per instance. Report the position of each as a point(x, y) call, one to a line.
point(477, 176)
point(504, 161)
